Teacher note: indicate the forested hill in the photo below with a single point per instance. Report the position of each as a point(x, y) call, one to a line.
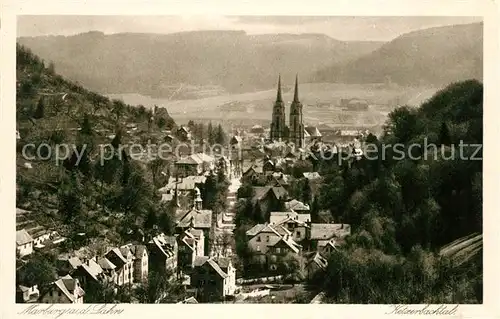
point(72, 197)
point(435, 56)
point(161, 64)
point(405, 206)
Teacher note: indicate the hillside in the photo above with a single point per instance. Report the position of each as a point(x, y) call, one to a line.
point(190, 63)
point(434, 56)
point(71, 192)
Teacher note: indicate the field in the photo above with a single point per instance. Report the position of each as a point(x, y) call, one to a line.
point(321, 101)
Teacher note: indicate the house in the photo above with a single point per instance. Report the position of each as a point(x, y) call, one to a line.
point(191, 245)
point(24, 243)
point(124, 265)
point(297, 206)
point(316, 262)
point(88, 271)
point(268, 166)
point(257, 129)
point(190, 300)
point(284, 246)
point(235, 141)
point(64, 290)
point(322, 234)
point(163, 253)
point(214, 278)
point(296, 224)
point(141, 262)
point(184, 134)
point(26, 294)
point(250, 176)
point(194, 164)
point(188, 166)
point(206, 162)
point(169, 138)
point(268, 198)
point(67, 265)
point(108, 269)
point(261, 237)
point(311, 175)
point(196, 218)
point(312, 134)
point(281, 179)
point(354, 104)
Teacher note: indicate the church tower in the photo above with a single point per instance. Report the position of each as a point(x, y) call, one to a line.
point(278, 127)
point(296, 123)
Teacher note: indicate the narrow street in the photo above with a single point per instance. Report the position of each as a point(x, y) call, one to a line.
point(225, 223)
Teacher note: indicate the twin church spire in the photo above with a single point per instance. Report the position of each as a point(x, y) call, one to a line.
point(279, 97)
point(295, 131)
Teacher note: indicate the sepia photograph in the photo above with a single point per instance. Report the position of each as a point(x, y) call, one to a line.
point(243, 159)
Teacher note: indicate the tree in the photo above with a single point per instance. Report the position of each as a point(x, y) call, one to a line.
point(40, 109)
point(39, 270)
point(156, 167)
point(306, 191)
point(220, 136)
point(70, 198)
point(444, 135)
point(211, 136)
point(161, 122)
point(118, 109)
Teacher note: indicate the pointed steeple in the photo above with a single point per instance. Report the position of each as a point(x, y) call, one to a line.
point(278, 96)
point(296, 93)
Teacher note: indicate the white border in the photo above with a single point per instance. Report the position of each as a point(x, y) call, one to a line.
point(487, 9)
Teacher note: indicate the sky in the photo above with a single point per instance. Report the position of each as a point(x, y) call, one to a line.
point(341, 28)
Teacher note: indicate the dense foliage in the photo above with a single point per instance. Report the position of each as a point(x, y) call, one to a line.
point(403, 209)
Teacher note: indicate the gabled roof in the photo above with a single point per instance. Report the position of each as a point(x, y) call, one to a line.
point(296, 205)
point(75, 262)
point(261, 228)
point(187, 161)
point(69, 287)
point(22, 237)
point(201, 261)
point(311, 175)
point(118, 257)
point(289, 242)
point(106, 264)
point(319, 260)
point(215, 266)
point(138, 250)
point(236, 138)
point(184, 128)
point(328, 231)
point(190, 300)
point(201, 218)
point(312, 131)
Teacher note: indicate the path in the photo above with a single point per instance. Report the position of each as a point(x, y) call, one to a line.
point(225, 223)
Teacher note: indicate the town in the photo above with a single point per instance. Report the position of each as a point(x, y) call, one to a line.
point(201, 254)
point(297, 198)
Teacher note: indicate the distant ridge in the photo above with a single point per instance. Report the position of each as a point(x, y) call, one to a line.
point(434, 56)
point(157, 64)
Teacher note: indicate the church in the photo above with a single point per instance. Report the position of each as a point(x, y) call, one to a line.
point(295, 131)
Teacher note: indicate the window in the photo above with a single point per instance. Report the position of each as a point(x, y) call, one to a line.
point(258, 248)
point(298, 234)
point(278, 250)
point(258, 238)
point(267, 238)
